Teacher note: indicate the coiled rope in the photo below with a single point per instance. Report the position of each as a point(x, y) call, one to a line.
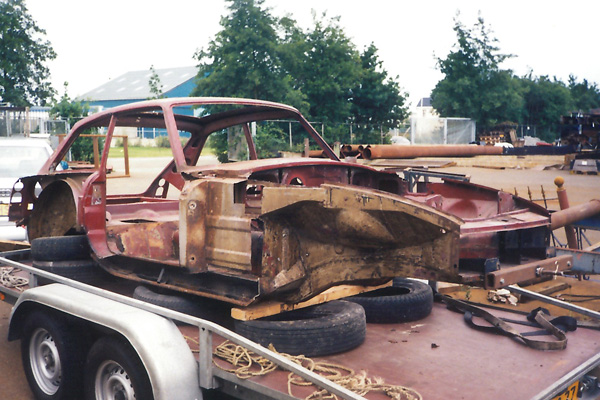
point(9, 280)
point(247, 364)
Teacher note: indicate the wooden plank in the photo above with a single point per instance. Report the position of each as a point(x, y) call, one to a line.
point(268, 308)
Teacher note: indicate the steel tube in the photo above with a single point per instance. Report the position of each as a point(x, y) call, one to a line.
point(570, 215)
point(563, 202)
point(373, 152)
point(556, 302)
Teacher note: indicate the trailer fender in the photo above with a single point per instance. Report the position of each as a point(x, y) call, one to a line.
point(166, 356)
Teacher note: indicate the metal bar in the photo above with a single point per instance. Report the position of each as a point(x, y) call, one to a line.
point(555, 302)
point(205, 364)
point(208, 326)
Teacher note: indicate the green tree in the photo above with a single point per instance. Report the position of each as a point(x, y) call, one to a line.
point(72, 111)
point(243, 60)
point(156, 87)
point(377, 101)
point(474, 86)
point(69, 110)
point(331, 70)
point(23, 53)
point(585, 95)
point(546, 100)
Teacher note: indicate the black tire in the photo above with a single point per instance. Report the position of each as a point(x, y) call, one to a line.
point(53, 357)
point(86, 271)
point(113, 370)
point(209, 309)
point(406, 300)
point(172, 302)
point(319, 330)
point(60, 248)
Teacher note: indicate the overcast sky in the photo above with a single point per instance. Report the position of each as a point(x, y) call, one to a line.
point(98, 41)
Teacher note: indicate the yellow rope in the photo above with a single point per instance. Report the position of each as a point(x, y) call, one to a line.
point(248, 364)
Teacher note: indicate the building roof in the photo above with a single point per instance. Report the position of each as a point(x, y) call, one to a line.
point(134, 85)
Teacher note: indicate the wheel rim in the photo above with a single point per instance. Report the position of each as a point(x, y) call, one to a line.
point(113, 382)
point(45, 361)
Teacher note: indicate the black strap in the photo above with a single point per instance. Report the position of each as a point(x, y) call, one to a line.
point(502, 327)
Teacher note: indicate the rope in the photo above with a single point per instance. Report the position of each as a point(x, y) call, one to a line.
point(248, 364)
point(9, 280)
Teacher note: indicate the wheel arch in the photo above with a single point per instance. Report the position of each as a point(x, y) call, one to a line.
point(167, 358)
point(55, 211)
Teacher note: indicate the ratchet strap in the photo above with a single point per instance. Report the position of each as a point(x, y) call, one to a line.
point(499, 326)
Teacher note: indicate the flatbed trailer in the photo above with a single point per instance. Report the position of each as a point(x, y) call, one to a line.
point(439, 357)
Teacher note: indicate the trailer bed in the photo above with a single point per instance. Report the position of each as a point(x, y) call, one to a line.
point(440, 357)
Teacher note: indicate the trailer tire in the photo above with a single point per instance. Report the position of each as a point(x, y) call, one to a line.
point(113, 370)
point(60, 248)
point(406, 300)
point(319, 330)
point(53, 357)
point(86, 271)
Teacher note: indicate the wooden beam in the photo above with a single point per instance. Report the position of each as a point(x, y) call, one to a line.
point(268, 308)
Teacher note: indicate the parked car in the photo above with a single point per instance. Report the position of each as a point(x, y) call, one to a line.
point(18, 158)
point(275, 228)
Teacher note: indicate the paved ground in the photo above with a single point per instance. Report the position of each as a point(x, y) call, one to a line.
point(580, 188)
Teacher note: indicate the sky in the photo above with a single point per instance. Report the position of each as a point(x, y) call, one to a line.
point(101, 40)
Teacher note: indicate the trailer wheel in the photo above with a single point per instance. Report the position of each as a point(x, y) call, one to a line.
point(53, 357)
point(60, 248)
point(319, 330)
point(406, 300)
point(113, 370)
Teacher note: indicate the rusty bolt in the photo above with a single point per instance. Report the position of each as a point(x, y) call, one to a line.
point(192, 205)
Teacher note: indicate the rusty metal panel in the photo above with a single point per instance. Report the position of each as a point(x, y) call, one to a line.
point(317, 238)
point(215, 230)
point(151, 240)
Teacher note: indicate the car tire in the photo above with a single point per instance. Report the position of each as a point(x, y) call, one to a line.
point(53, 357)
point(60, 248)
point(86, 271)
point(113, 370)
point(172, 302)
point(209, 309)
point(319, 330)
point(406, 300)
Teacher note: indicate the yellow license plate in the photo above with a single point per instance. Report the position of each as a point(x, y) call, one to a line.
point(3, 209)
point(570, 393)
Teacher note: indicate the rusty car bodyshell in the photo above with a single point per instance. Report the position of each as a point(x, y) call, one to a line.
point(282, 228)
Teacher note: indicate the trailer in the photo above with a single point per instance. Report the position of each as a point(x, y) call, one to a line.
point(95, 340)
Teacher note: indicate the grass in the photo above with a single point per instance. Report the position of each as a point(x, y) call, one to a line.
point(135, 152)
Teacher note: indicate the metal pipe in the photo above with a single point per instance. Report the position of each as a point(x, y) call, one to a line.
point(569, 215)
point(373, 152)
point(573, 214)
point(350, 149)
point(563, 201)
point(555, 302)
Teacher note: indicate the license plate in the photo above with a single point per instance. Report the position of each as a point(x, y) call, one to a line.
point(3, 210)
point(570, 393)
